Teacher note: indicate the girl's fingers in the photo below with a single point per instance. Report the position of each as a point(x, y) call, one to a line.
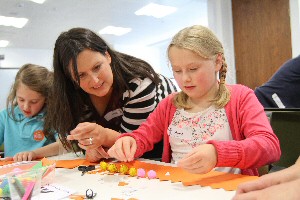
point(102, 152)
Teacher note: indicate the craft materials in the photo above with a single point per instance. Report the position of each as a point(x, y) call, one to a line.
point(132, 171)
point(85, 169)
point(28, 191)
point(112, 168)
point(123, 169)
point(103, 165)
point(90, 194)
point(151, 174)
point(18, 186)
point(141, 173)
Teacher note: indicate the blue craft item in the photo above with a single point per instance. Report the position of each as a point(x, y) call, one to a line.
point(4, 183)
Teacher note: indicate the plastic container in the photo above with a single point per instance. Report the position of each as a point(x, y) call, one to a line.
point(25, 184)
point(47, 174)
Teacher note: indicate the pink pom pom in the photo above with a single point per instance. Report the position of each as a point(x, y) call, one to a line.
point(16, 170)
point(151, 174)
point(141, 173)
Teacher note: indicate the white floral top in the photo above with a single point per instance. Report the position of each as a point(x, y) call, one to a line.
point(189, 130)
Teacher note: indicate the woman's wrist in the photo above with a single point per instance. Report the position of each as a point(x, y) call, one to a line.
point(110, 136)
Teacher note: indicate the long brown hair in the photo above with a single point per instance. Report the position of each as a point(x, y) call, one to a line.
point(70, 103)
point(37, 78)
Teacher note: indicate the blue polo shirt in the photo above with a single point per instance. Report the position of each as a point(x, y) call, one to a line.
point(24, 135)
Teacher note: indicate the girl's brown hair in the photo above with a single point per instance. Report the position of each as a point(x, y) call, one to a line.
point(37, 78)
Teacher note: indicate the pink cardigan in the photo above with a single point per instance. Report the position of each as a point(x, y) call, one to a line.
point(254, 143)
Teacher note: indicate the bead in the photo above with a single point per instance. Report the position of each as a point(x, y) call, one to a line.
point(123, 169)
point(112, 168)
point(132, 171)
point(141, 173)
point(151, 174)
point(103, 165)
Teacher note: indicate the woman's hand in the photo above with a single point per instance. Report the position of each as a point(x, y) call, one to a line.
point(271, 186)
point(25, 156)
point(201, 159)
point(89, 135)
point(123, 149)
point(94, 155)
point(287, 191)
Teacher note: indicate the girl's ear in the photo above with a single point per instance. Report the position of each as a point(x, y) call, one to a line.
point(107, 55)
point(219, 62)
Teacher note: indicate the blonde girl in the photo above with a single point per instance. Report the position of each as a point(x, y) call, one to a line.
point(209, 124)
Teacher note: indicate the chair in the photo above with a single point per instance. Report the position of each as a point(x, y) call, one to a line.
point(286, 125)
point(2, 151)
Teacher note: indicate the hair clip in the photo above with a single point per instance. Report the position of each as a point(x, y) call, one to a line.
point(85, 169)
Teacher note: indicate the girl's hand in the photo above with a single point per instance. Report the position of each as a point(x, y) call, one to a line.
point(123, 149)
point(25, 156)
point(7, 159)
point(89, 135)
point(94, 155)
point(201, 159)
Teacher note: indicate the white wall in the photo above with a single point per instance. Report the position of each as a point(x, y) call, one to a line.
point(15, 58)
point(220, 21)
point(295, 26)
point(149, 54)
point(7, 77)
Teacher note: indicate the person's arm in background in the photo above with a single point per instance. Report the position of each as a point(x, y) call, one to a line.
point(283, 184)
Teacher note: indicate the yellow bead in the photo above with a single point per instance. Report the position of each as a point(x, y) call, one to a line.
point(123, 169)
point(112, 168)
point(132, 171)
point(103, 165)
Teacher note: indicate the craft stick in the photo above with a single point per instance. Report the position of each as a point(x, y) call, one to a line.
point(18, 186)
point(28, 191)
point(47, 171)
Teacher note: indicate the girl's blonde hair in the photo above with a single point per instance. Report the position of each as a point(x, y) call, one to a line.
point(204, 43)
point(37, 78)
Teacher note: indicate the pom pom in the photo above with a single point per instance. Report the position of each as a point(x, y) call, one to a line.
point(132, 171)
point(123, 169)
point(141, 173)
point(112, 168)
point(151, 174)
point(103, 165)
point(16, 170)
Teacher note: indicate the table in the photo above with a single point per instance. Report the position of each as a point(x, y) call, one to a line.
point(106, 187)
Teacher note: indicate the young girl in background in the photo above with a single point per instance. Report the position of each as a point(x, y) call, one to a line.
point(208, 124)
point(22, 122)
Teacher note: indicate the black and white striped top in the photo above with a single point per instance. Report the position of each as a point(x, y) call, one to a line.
point(141, 100)
point(135, 106)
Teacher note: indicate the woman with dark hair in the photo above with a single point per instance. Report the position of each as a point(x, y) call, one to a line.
point(98, 93)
